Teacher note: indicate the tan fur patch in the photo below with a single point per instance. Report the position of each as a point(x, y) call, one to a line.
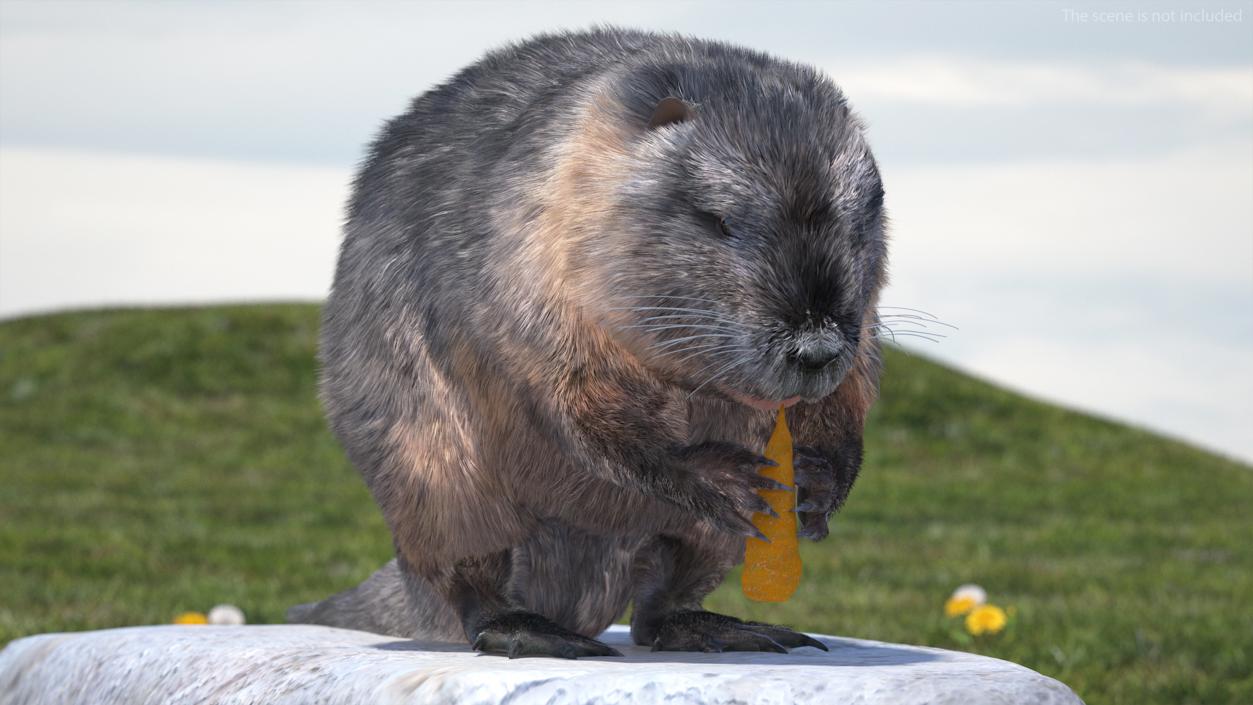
point(577, 197)
point(578, 201)
point(440, 504)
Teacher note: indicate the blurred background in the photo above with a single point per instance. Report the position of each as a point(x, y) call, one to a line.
point(1069, 183)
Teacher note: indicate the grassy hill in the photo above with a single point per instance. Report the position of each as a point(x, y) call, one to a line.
point(159, 461)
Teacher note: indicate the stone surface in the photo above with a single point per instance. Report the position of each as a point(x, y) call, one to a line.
point(309, 664)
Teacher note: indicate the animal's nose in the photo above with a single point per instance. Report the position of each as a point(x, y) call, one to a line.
point(812, 356)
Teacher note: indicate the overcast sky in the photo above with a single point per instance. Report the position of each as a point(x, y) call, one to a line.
point(1070, 183)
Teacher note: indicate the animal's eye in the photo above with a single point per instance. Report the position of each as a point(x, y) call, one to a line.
point(714, 221)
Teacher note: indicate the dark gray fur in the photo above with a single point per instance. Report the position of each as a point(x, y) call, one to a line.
point(494, 362)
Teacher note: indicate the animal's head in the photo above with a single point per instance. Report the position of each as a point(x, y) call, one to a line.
point(741, 236)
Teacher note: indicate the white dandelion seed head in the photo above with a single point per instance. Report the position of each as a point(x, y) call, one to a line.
point(226, 615)
point(977, 594)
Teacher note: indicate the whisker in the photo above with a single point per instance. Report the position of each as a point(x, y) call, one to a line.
point(883, 326)
point(676, 297)
point(659, 308)
point(924, 332)
point(697, 311)
point(679, 315)
point(668, 343)
point(704, 351)
point(716, 362)
point(919, 333)
point(704, 347)
point(722, 376)
point(910, 335)
point(918, 319)
point(715, 375)
point(915, 310)
point(672, 326)
point(878, 328)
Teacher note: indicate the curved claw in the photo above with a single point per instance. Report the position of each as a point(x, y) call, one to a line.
point(750, 640)
point(807, 640)
point(762, 482)
point(787, 637)
point(816, 527)
point(756, 533)
point(806, 507)
point(737, 524)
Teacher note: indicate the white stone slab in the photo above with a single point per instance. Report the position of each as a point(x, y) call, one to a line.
point(287, 665)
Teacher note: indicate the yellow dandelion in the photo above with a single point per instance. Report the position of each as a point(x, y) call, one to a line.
point(988, 619)
point(191, 618)
point(958, 605)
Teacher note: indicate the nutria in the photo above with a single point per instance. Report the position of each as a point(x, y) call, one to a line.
point(576, 283)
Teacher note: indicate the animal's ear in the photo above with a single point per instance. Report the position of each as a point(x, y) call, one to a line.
point(670, 111)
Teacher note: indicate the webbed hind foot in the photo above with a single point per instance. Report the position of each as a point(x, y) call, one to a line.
point(518, 634)
point(698, 630)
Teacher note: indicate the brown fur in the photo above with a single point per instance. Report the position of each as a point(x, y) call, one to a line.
point(531, 448)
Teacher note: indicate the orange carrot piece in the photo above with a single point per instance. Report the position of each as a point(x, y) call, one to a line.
point(773, 570)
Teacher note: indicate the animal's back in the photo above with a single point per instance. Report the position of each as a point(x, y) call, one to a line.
point(512, 100)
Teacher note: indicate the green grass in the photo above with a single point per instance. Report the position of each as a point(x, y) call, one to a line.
point(159, 461)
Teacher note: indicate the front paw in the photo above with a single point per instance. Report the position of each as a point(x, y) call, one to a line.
point(823, 482)
point(719, 481)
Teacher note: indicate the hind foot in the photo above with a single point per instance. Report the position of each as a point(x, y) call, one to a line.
point(697, 630)
point(517, 634)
